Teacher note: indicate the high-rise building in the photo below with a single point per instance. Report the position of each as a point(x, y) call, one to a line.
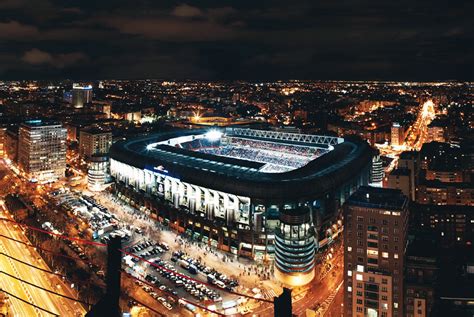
point(375, 236)
point(397, 134)
point(94, 141)
point(81, 95)
point(42, 150)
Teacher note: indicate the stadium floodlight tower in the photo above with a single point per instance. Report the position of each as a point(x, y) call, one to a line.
point(213, 135)
point(295, 247)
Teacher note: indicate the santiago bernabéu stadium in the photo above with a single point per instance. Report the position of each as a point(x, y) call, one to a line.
point(255, 193)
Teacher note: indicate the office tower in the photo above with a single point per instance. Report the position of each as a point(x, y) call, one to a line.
point(397, 134)
point(94, 141)
point(377, 172)
point(42, 150)
point(81, 95)
point(376, 221)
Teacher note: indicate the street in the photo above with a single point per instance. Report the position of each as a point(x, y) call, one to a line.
point(54, 303)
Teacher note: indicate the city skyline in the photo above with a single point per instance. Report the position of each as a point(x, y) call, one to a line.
point(172, 198)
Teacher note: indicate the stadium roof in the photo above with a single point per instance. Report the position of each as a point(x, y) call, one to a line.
point(242, 177)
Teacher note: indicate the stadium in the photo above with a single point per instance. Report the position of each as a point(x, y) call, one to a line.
point(255, 193)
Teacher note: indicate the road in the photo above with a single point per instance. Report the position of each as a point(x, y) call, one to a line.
point(416, 137)
point(41, 298)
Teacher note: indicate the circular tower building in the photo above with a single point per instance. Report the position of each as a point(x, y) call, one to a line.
point(295, 247)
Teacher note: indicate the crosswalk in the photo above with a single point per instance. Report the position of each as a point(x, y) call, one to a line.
point(269, 294)
point(325, 305)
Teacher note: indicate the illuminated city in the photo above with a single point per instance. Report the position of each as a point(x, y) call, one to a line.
point(194, 176)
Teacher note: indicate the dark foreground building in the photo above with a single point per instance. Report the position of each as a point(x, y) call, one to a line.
point(375, 235)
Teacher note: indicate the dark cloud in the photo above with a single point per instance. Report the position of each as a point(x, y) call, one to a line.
point(185, 10)
point(16, 30)
point(348, 39)
point(38, 57)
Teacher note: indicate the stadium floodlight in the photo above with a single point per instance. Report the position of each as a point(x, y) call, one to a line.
point(150, 146)
point(213, 135)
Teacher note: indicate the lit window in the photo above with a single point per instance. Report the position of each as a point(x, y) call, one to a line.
point(349, 288)
point(349, 273)
point(359, 277)
point(385, 255)
point(385, 306)
point(360, 268)
point(372, 252)
point(395, 305)
point(395, 255)
point(349, 249)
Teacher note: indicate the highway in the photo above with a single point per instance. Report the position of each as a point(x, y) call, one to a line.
point(56, 304)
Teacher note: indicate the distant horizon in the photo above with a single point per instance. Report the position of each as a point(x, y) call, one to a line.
point(85, 80)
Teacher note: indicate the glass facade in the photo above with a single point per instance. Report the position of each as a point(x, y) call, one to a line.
point(295, 246)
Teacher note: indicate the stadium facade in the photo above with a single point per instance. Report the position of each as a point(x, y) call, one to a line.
point(254, 193)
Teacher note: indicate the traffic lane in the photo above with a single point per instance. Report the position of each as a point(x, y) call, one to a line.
point(37, 277)
point(13, 286)
point(26, 274)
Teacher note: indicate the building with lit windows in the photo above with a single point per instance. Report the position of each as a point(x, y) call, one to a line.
point(235, 188)
point(437, 131)
point(81, 95)
point(42, 150)
point(295, 247)
point(397, 134)
point(94, 141)
point(97, 172)
point(375, 235)
point(377, 173)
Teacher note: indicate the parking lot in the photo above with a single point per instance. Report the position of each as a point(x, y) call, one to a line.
point(175, 273)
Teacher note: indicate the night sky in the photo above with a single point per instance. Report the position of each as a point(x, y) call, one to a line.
point(257, 40)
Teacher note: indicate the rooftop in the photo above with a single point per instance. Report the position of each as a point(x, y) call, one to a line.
point(40, 123)
point(374, 197)
point(400, 171)
point(95, 130)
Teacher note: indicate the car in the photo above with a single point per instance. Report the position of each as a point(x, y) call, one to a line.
point(167, 305)
point(220, 284)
